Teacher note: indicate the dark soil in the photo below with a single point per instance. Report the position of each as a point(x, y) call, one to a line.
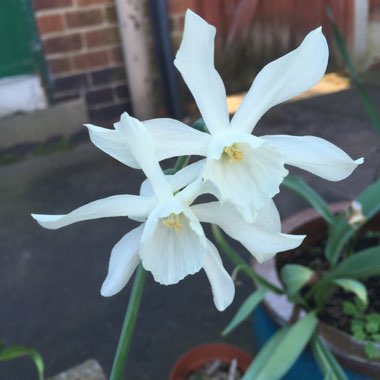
point(312, 256)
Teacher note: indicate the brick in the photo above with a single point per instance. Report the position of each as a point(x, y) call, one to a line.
point(71, 83)
point(59, 65)
point(90, 59)
point(94, 97)
point(113, 74)
point(50, 4)
point(102, 37)
point(115, 55)
point(62, 44)
point(122, 91)
point(108, 114)
point(111, 15)
point(91, 2)
point(57, 98)
point(82, 18)
point(50, 23)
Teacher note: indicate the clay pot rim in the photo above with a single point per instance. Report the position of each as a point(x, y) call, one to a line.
point(338, 341)
point(198, 356)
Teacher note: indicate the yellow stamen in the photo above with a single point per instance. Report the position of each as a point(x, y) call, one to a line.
point(234, 153)
point(172, 221)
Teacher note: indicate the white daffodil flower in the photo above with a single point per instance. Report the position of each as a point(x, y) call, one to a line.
point(247, 170)
point(170, 242)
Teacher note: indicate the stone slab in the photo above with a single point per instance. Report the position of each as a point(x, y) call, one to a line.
point(64, 120)
point(89, 370)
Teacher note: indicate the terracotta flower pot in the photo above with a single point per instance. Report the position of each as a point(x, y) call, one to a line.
point(195, 359)
point(347, 350)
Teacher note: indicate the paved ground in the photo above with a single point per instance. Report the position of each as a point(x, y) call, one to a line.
point(50, 280)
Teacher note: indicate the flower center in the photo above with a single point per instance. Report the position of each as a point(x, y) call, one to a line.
point(172, 221)
point(234, 153)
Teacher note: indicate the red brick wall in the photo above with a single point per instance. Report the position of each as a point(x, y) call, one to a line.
point(81, 43)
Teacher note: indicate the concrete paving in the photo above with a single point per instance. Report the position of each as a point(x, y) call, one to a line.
point(50, 280)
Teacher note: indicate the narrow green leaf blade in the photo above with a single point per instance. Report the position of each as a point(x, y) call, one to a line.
point(245, 309)
point(300, 187)
point(279, 354)
point(370, 200)
point(362, 264)
point(329, 366)
point(294, 277)
point(265, 353)
point(16, 352)
point(365, 98)
point(355, 287)
point(338, 237)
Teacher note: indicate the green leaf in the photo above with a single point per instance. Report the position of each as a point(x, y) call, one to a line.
point(342, 232)
point(369, 200)
point(300, 187)
point(330, 368)
point(355, 287)
point(371, 351)
point(338, 236)
point(15, 352)
point(373, 317)
point(294, 277)
point(200, 125)
point(362, 264)
point(245, 309)
point(375, 337)
point(359, 335)
point(350, 309)
point(282, 350)
point(372, 327)
point(365, 98)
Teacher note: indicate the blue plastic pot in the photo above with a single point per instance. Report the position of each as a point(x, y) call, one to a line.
point(305, 367)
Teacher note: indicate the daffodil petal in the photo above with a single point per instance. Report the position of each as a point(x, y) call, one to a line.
point(283, 79)
point(269, 218)
point(186, 175)
point(195, 61)
point(173, 138)
point(140, 144)
point(222, 286)
point(113, 143)
point(260, 242)
point(315, 155)
point(123, 262)
point(172, 253)
point(178, 180)
point(248, 183)
point(117, 205)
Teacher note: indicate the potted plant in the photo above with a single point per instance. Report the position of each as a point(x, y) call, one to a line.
point(211, 362)
point(331, 280)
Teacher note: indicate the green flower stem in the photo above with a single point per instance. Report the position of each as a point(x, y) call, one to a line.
point(238, 261)
point(126, 335)
point(181, 163)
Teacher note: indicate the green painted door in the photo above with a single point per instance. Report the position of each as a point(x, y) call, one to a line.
point(20, 50)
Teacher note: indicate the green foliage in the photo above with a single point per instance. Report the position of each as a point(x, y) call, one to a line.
point(294, 277)
point(245, 309)
point(330, 368)
point(15, 352)
point(280, 352)
point(365, 326)
point(362, 264)
point(299, 186)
